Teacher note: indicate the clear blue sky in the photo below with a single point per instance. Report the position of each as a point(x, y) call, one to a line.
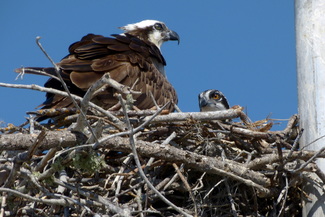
point(246, 49)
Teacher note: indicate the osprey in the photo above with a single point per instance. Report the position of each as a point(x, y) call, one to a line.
point(132, 58)
point(212, 100)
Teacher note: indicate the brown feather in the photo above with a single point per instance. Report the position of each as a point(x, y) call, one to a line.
point(129, 61)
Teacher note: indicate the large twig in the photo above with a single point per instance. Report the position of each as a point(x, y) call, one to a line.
point(104, 80)
point(115, 120)
point(58, 73)
point(200, 116)
point(19, 159)
point(134, 130)
point(60, 201)
point(98, 198)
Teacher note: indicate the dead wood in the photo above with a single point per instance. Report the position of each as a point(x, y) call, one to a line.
point(222, 164)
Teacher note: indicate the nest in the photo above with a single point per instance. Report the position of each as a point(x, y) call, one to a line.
point(148, 163)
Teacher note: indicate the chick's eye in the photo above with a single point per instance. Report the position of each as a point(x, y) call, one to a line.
point(216, 96)
point(158, 26)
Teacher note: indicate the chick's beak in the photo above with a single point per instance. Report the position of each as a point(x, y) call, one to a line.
point(202, 102)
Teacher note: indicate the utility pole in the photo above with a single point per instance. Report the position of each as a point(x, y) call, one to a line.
point(310, 47)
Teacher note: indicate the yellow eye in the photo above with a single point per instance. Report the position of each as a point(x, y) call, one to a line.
point(216, 96)
point(158, 26)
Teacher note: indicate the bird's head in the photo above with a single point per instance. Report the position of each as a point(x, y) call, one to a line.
point(151, 30)
point(212, 100)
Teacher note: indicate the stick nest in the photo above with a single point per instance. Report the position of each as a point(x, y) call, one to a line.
point(204, 166)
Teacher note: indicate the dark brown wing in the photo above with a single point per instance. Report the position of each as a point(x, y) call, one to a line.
point(126, 58)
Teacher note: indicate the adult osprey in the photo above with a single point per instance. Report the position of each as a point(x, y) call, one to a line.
point(132, 58)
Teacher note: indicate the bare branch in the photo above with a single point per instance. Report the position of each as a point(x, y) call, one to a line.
point(115, 120)
point(201, 116)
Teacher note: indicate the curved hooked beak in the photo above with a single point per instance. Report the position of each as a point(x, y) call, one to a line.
point(202, 102)
point(173, 36)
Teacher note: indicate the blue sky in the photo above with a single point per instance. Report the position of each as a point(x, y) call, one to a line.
point(246, 49)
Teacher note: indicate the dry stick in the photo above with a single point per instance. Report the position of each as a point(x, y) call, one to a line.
point(199, 182)
point(284, 193)
point(209, 192)
point(3, 204)
point(74, 201)
point(271, 158)
point(187, 186)
point(293, 120)
point(119, 178)
point(84, 104)
point(153, 99)
point(140, 127)
point(98, 198)
point(294, 146)
point(171, 181)
point(94, 146)
point(319, 138)
point(176, 107)
point(262, 190)
point(165, 142)
point(60, 202)
point(309, 161)
point(52, 170)
point(37, 72)
point(37, 143)
point(162, 183)
point(20, 141)
point(28, 175)
point(23, 157)
point(148, 164)
point(232, 202)
point(31, 124)
point(50, 154)
point(137, 161)
point(200, 116)
point(118, 124)
point(98, 129)
point(140, 113)
point(129, 189)
point(105, 79)
point(57, 70)
point(24, 173)
point(138, 200)
point(63, 178)
point(320, 173)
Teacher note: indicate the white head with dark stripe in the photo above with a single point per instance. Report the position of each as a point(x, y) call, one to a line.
point(151, 30)
point(212, 100)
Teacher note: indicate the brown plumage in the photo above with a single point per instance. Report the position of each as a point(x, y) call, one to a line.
point(133, 59)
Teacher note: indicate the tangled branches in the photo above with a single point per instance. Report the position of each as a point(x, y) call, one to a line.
point(174, 164)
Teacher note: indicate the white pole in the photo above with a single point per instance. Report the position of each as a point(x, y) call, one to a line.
point(310, 45)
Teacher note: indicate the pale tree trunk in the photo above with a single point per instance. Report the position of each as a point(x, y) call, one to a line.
point(310, 45)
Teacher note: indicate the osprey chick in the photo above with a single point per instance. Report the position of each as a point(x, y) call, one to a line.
point(212, 100)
